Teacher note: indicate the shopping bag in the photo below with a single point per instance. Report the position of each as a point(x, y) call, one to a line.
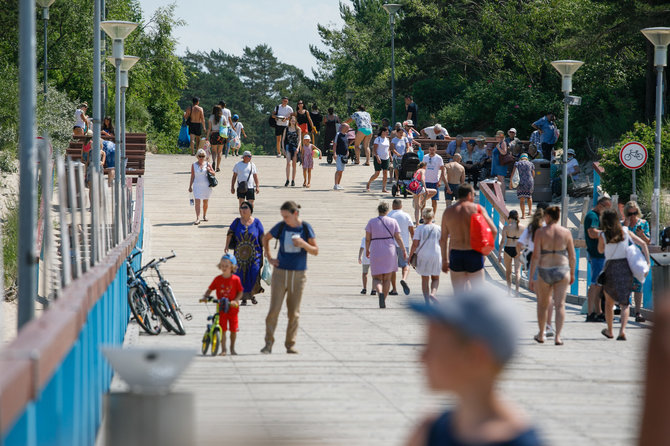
point(266, 273)
point(184, 138)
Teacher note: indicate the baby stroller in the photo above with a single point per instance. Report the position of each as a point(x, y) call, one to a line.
point(408, 167)
point(330, 153)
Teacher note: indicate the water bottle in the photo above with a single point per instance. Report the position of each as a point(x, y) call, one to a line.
point(191, 199)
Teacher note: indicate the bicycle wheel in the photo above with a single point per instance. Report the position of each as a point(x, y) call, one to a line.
point(205, 342)
point(161, 309)
point(173, 310)
point(139, 306)
point(216, 341)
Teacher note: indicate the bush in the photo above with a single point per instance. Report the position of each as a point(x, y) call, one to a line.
point(10, 241)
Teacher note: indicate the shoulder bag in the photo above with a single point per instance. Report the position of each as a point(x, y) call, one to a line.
point(507, 158)
point(243, 186)
point(213, 182)
point(637, 262)
point(272, 121)
point(414, 258)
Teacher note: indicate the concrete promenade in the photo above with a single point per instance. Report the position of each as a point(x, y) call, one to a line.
point(358, 379)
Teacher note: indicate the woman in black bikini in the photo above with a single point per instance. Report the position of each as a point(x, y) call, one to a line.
point(554, 260)
point(510, 234)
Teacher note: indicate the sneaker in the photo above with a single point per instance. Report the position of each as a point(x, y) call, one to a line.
point(335, 187)
point(292, 182)
point(286, 184)
point(278, 155)
point(601, 317)
point(549, 332)
point(292, 351)
point(373, 293)
point(364, 291)
point(266, 350)
point(591, 317)
point(639, 318)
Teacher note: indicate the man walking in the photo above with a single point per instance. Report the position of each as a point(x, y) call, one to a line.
point(407, 234)
point(548, 133)
point(195, 118)
point(466, 264)
point(296, 240)
point(595, 258)
point(245, 176)
point(412, 109)
point(281, 114)
point(455, 177)
point(434, 172)
point(341, 145)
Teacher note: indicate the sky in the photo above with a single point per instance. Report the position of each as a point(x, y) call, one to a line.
point(288, 26)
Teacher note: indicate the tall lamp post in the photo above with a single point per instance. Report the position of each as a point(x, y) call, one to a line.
point(660, 38)
point(567, 68)
point(392, 8)
point(350, 96)
point(126, 64)
point(117, 31)
point(44, 4)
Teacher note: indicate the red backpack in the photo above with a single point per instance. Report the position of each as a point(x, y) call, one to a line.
point(481, 236)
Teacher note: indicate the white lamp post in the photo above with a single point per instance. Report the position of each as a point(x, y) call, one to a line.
point(118, 31)
point(126, 64)
point(44, 4)
point(567, 68)
point(392, 8)
point(660, 38)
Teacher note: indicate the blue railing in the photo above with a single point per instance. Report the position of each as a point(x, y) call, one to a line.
point(66, 408)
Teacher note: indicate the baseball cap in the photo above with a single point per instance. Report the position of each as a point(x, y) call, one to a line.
point(472, 141)
point(481, 314)
point(246, 153)
point(307, 137)
point(512, 130)
point(231, 258)
point(235, 117)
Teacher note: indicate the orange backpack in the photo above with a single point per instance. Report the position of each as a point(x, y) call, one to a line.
point(481, 236)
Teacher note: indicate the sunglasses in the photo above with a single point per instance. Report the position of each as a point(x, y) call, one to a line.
point(244, 207)
point(201, 156)
point(630, 214)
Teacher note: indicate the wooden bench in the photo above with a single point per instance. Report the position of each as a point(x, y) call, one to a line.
point(443, 143)
point(135, 152)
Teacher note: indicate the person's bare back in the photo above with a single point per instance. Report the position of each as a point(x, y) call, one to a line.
point(456, 219)
point(455, 173)
point(197, 114)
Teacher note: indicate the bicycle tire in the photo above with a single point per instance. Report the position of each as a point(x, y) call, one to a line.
point(216, 341)
point(174, 311)
point(141, 309)
point(205, 343)
point(161, 308)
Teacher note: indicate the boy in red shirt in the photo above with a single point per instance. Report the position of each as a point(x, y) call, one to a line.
point(227, 286)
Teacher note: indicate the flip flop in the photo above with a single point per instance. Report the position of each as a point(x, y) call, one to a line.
point(621, 337)
point(538, 340)
point(558, 342)
point(405, 287)
point(607, 335)
point(197, 222)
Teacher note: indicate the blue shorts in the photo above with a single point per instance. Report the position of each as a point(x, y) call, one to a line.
point(290, 152)
point(597, 265)
point(366, 132)
point(454, 191)
point(436, 187)
point(401, 261)
point(469, 261)
point(340, 162)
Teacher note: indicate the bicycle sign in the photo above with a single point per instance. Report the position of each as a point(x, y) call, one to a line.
point(633, 155)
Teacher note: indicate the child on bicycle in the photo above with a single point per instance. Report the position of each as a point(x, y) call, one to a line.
point(227, 286)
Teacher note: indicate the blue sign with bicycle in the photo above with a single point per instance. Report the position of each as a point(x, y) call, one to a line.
point(633, 155)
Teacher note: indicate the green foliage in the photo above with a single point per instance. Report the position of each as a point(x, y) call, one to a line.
point(618, 180)
point(10, 242)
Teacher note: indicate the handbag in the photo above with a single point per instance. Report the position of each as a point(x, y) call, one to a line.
point(266, 272)
point(272, 121)
point(506, 159)
point(213, 182)
point(184, 139)
point(637, 262)
point(243, 186)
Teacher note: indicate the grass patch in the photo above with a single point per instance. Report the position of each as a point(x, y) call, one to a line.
point(10, 247)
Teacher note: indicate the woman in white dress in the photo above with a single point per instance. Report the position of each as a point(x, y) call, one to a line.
point(200, 185)
point(426, 246)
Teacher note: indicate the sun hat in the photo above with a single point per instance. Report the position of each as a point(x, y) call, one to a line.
point(481, 138)
point(307, 137)
point(512, 130)
point(246, 153)
point(571, 152)
point(231, 258)
point(479, 314)
point(408, 123)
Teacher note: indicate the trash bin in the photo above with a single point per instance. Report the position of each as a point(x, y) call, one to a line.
point(542, 189)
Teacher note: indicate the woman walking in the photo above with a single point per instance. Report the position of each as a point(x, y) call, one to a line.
point(245, 238)
point(331, 122)
point(426, 246)
point(498, 170)
point(363, 133)
point(381, 160)
point(554, 261)
point(199, 185)
point(292, 142)
point(216, 140)
point(524, 190)
point(308, 150)
point(304, 118)
point(381, 235)
point(510, 235)
point(616, 275)
point(317, 118)
point(421, 194)
point(639, 226)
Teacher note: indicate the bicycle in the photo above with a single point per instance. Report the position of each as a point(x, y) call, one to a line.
point(140, 297)
point(633, 153)
point(167, 302)
point(213, 331)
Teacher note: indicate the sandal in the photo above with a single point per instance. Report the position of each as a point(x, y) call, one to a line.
point(254, 301)
point(538, 340)
point(204, 219)
point(621, 337)
point(197, 222)
point(606, 334)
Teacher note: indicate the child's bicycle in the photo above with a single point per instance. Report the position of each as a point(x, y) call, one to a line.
point(212, 336)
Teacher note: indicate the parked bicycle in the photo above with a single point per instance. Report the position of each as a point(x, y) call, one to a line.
point(141, 296)
point(212, 336)
point(170, 309)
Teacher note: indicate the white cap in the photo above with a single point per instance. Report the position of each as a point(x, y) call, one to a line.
point(246, 153)
point(307, 137)
point(512, 130)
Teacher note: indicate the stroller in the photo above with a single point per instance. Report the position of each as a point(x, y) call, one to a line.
point(351, 138)
point(408, 167)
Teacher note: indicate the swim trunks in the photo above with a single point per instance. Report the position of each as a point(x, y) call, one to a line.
point(469, 261)
point(195, 128)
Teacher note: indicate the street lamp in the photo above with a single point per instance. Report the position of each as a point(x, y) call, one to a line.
point(660, 38)
point(44, 4)
point(350, 96)
point(392, 8)
point(126, 64)
point(567, 68)
point(117, 31)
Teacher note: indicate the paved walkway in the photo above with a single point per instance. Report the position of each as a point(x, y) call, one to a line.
point(358, 379)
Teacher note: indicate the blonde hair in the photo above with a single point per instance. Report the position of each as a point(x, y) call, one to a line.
point(201, 152)
point(427, 214)
point(632, 205)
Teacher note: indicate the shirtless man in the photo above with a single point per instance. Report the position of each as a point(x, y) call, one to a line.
point(196, 123)
point(466, 264)
point(455, 177)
